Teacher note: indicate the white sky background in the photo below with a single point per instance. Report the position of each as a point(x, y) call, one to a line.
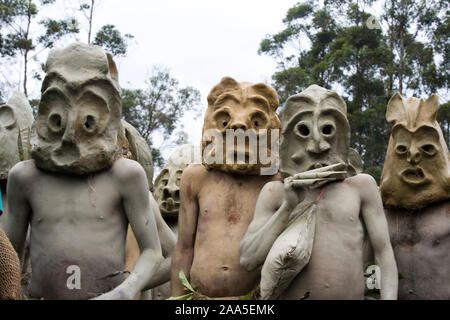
point(200, 41)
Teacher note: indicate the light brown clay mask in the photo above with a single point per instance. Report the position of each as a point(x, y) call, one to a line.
point(167, 184)
point(78, 122)
point(16, 119)
point(315, 131)
point(416, 171)
point(246, 106)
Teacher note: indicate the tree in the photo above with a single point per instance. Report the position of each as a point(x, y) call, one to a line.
point(23, 38)
point(159, 107)
point(112, 41)
point(417, 33)
point(108, 36)
point(335, 46)
point(87, 8)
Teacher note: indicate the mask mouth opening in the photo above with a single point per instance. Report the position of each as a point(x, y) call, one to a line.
point(67, 155)
point(318, 165)
point(414, 176)
point(169, 206)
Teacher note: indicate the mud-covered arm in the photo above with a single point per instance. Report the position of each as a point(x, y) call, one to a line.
point(168, 241)
point(377, 228)
point(132, 183)
point(187, 226)
point(270, 219)
point(18, 206)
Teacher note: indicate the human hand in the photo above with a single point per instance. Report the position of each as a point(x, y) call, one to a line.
point(116, 294)
point(296, 185)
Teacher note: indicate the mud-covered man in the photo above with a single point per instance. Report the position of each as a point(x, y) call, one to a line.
point(16, 119)
point(218, 197)
point(315, 162)
point(415, 186)
point(78, 194)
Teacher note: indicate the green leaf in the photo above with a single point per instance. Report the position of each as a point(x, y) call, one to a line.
point(185, 281)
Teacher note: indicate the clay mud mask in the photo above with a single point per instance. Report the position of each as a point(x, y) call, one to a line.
point(417, 170)
point(167, 184)
point(315, 133)
point(78, 123)
point(16, 119)
point(241, 128)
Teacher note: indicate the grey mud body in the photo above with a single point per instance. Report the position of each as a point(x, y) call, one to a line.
point(16, 119)
point(136, 148)
point(415, 186)
point(317, 168)
point(77, 194)
point(421, 242)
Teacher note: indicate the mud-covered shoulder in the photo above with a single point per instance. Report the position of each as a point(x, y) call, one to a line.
point(23, 172)
point(126, 171)
point(363, 178)
point(272, 194)
point(364, 183)
point(273, 188)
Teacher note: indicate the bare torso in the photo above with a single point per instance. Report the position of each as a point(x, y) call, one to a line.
point(336, 266)
point(226, 205)
point(87, 218)
point(421, 243)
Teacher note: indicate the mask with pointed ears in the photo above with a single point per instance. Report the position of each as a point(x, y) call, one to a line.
point(416, 171)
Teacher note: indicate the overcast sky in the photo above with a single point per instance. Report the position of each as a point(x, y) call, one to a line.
point(200, 41)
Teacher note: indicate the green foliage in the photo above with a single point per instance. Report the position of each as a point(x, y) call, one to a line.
point(20, 35)
point(56, 29)
point(192, 295)
point(112, 41)
point(159, 107)
point(443, 118)
point(336, 49)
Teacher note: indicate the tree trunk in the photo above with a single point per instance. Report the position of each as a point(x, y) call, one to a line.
point(27, 50)
point(402, 50)
point(90, 21)
point(391, 47)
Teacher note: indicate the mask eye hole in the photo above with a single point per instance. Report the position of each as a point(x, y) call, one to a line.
point(222, 119)
point(55, 122)
point(303, 130)
point(7, 118)
point(401, 149)
point(258, 121)
point(89, 123)
point(429, 149)
point(328, 130)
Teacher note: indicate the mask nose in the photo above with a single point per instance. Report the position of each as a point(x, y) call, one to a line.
point(69, 134)
point(317, 144)
point(413, 156)
point(239, 125)
point(171, 192)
